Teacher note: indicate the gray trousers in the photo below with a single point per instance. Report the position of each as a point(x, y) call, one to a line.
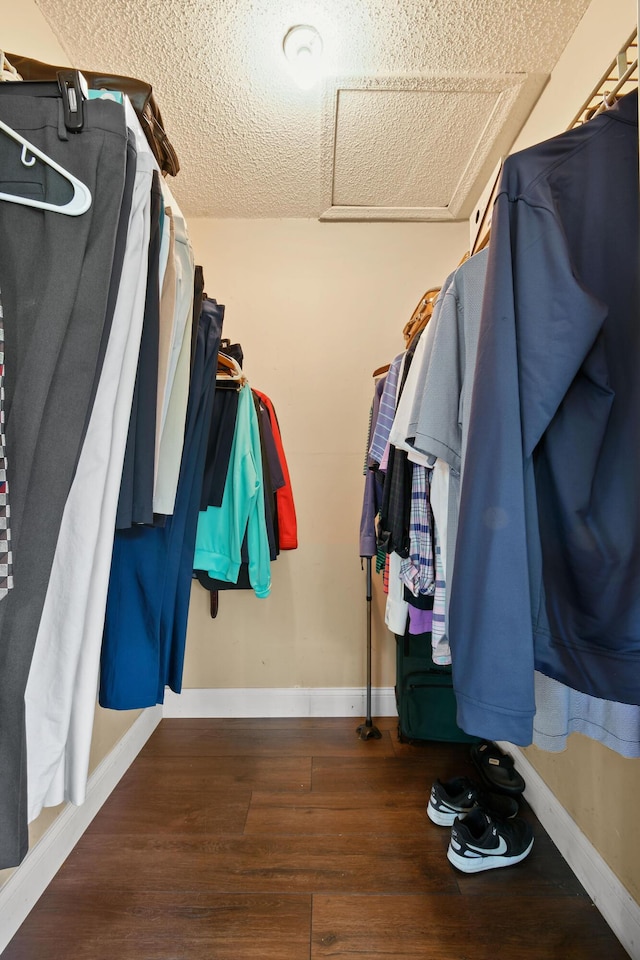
point(55, 274)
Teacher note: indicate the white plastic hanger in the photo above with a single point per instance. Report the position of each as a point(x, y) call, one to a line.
point(81, 199)
point(229, 370)
point(7, 71)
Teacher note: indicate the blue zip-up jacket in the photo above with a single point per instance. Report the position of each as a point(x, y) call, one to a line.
point(547, 569)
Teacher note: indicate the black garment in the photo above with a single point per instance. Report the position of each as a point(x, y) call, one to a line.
point(234, 350)
point(198, 295)
point(210, 584)
point(135, 504)
point(269, 483)
point(421, 602)
point(395, 512)
point(267, 439)
point(274, 470)
point(223, 423)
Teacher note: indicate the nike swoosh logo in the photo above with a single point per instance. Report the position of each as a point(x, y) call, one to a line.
point(495, 852)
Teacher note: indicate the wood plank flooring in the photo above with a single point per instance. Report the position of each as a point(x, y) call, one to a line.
point(295, 840)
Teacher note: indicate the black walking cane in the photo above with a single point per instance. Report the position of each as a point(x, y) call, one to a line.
point(368, 730)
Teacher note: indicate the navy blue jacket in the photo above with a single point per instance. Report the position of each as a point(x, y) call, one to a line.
point(547, 570)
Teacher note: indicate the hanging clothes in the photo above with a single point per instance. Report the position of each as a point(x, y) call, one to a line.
point(273, 479)
point(550, 503)
point(151, 569)
point(386, 413)
point(434, 414)
point(434, 417)
point(52, 346)
point(230, 570)
point(286, 510)
point(83, 351)
point(61, 689)
point(221, 530)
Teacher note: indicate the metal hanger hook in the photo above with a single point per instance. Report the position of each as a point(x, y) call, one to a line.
point(24, 155)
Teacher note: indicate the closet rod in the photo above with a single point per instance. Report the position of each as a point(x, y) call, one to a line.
point(597, 102)
point(607, 100)
point(599, 96)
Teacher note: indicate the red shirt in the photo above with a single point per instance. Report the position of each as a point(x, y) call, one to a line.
point(287, 523)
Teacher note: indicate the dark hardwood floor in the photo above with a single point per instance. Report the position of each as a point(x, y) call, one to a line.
point(295, 840)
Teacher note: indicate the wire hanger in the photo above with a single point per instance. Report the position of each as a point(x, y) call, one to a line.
point(81, 199)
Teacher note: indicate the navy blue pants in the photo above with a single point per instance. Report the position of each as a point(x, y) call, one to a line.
point(152, 567)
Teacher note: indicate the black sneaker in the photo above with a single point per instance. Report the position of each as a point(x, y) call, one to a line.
point(497, 769)
point(480, 843)
point(458, 797)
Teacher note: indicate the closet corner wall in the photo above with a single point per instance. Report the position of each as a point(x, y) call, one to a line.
point(313, 318)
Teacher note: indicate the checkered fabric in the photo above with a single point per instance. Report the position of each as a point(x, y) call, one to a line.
point(418, 569)
point(6, 560)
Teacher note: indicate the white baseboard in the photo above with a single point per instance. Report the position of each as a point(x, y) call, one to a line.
point(280, 702)
point(23, 888)
point(616, 905)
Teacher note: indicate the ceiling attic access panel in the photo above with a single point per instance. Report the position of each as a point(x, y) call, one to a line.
point(403, 148)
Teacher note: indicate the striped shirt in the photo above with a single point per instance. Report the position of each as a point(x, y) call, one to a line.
point(386, 413)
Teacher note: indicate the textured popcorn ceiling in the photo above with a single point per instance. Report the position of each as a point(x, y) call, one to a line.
point(417, 148)
point(388, 151)
point(251, 144)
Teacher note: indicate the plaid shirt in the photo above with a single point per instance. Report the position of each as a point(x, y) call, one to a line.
point(418, 569)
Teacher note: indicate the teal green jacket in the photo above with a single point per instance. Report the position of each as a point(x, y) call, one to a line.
point(221, 529)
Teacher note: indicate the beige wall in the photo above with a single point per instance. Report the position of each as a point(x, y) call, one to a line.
point(317, 307)
point(25, 31)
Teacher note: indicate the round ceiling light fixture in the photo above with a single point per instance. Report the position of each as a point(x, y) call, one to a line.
point(302, 47)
